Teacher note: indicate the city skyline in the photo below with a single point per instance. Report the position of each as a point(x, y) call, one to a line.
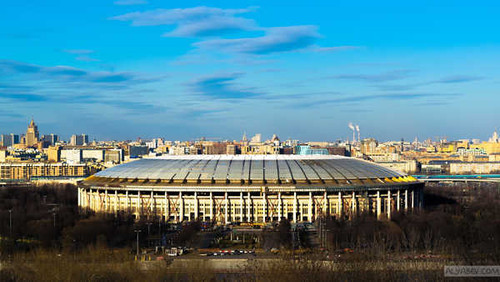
point(355, 129)
point(183, 70)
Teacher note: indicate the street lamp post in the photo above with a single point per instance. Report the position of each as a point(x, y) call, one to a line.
point(137, 231)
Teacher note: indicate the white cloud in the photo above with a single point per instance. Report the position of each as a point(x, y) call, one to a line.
point(78, 51)
point(197, 21)
point(276, 39)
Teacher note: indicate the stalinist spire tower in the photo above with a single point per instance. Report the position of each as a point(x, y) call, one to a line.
point(32, 134)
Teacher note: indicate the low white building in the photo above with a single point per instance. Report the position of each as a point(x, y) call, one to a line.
point(72, 156)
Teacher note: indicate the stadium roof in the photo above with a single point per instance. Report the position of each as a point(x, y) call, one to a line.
point(250, 170)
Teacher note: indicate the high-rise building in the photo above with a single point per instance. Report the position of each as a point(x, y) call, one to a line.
point(51, 139)
point(4, 140)
point(8, 140)
point(32, 134)
point(79, 140)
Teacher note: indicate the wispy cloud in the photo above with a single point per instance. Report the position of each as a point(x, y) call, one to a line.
point(212, 27)
point(8, 66)
point(112, 78)
point(398, 87)
point(458, 79)
point(23, 97)
point(11, 87)
point(276, 39)
point(320, 49)
point(433, 103)
point(136, 106)
point(130, 2)
point(381, 77)
point(86, 59)
point(202, 22)
point(193, 22)
point(305, 97)
point(222, 87)
point(10, 115)
point(64, 73)
point(78, 51)
point(29, 83)
point(390, 97)
point(445, 80)
point(82, 54)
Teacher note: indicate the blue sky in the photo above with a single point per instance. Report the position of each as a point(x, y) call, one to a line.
point(185, 69)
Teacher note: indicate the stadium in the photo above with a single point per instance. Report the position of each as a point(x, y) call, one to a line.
point(249, 189)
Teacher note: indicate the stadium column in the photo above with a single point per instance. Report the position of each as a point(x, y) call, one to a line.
point(379, 206)
point(195, 205)
point(211, 206)
point(353, 203)
point(310, 206)
point(226, 220)
point(166, 212)
point(398, 200)
point(406, 199)
point(339, 204)
point(264, 204)
point(368, 202)
point(127, 201)
point(85, 198)
point(180, 215)
point(389, 204)
point(139, 205)
point(325, 204)
point(249, 208)
point(279, 206)
point(241, 207)
point(97, 205)
point(152, 204)
point(106, 201)
point(88, 195)
point(81, 197)
point(295, 207)
point(116, 202)
point(412, 198)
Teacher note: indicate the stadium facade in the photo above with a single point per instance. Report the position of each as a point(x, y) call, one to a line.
point(242, 188)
